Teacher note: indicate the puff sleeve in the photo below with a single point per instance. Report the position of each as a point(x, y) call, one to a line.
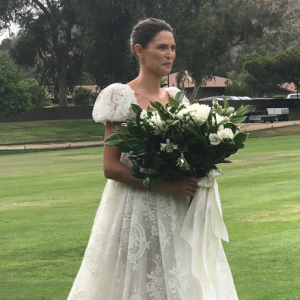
point(113, 104)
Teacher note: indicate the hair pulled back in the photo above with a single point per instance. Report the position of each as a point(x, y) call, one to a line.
point(146, 30)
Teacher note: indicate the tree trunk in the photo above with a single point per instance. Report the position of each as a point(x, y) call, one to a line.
point(62, 85)
point(195, 92)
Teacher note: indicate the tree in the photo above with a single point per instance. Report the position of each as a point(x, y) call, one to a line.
point(267, 72)
point(50, 39)
point(217, 27)
point(262, 77)
point(204, 30)
point(13, 99)
point(237, 84)
point(287, 66)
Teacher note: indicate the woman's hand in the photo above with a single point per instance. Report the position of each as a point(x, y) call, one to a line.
point(183, 185)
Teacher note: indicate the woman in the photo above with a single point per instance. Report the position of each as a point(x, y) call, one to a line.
point(135, 251)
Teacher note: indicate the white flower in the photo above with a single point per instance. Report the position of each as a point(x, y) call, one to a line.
point(214, 139)
point(219, 119)
point(144, 114)
point(199, 112)
point(168, 147)
point(158, 123)
point(182, 163)
point(181, 114)
point(225, 134)
point(221, 128)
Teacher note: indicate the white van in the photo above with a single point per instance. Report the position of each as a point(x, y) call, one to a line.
point(293, 96)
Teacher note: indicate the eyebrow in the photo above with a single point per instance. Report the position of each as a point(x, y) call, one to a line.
point(174, 45)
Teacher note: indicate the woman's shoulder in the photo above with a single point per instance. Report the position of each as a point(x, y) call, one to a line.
point(114, 103)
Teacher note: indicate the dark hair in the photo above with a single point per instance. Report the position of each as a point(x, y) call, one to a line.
point(146, 30)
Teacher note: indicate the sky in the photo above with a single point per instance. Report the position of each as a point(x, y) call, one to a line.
point(5, 34)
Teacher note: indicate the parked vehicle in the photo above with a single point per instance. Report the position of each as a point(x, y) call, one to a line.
point(234, 98)
point(244, 98)
point(293, 96)
point(211, 98)
point(256, 114)
point(281, 114)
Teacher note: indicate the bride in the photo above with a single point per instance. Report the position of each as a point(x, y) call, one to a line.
point(135, 251)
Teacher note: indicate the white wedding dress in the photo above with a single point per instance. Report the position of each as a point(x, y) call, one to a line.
point(135, 251)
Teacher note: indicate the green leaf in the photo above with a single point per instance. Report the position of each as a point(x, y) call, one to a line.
point(171, 122)
point(226, 162)
point(236, 120)
point(239, 145)
point(173, 109)
point(183, 147)
point(123, 147)
point(241, 137)
point(226, 104)
point(229, 111)
point(163, 114)
point(139, 175)
point(147, 183)
point(157, 162)
point(136, 108)
point(136, 169)
point(173, 102)
point(134, 144)
point(113, 140)
point(179, 96)
point(156, 105)
point(220, 111)
point(241, 111)
point(190, 127)
point(157, 178)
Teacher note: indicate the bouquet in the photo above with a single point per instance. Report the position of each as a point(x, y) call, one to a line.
point(179, 139)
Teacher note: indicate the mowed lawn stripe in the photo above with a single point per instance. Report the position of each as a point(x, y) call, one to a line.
point(50, 199)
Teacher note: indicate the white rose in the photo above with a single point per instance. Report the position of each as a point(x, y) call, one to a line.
point(214, 139)
point(225, 134)
point(199, 112)
point(181, 114)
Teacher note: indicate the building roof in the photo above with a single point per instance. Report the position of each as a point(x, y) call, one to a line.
point(188, 81)
point(290, 87)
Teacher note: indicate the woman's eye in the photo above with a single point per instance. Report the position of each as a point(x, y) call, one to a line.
point(161, 47)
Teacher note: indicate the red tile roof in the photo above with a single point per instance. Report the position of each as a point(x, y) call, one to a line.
point(188, 81)
point(290, 87)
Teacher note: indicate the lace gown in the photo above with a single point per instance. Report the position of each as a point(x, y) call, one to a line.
point(135, 251)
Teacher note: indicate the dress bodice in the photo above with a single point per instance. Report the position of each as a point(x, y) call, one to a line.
point(114, 103)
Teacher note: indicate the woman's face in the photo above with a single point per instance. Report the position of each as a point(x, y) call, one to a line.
point(160, 54)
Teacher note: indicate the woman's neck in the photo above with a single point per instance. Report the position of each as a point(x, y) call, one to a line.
point(147, 82)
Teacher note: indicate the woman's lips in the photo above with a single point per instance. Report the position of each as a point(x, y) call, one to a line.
point(168, 64)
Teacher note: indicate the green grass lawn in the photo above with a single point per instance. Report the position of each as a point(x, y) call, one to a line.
point(280, 131)
point(48, 201)
point(66, 130)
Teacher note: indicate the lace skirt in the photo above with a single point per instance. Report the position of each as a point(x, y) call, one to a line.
point(135, 251)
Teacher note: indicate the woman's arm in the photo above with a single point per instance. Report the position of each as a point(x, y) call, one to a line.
point(116, 170)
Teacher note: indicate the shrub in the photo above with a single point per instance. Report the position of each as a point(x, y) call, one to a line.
point(13, 98)
point(82, 96)
point(37, 92)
